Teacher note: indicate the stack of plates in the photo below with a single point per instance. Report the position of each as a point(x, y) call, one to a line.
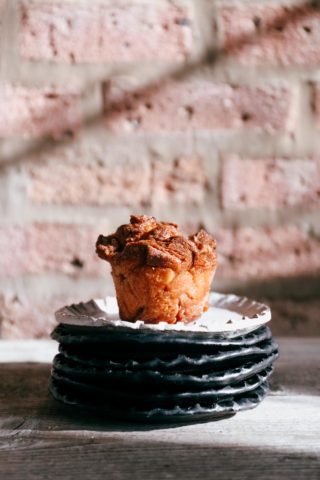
point(212, 367)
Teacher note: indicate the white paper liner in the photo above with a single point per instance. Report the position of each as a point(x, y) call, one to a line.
point(227, 313)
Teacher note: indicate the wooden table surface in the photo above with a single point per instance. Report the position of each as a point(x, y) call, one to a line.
point(42, 439)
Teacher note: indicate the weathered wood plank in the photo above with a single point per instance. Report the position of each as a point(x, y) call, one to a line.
point(150, 460)
point(40, 438)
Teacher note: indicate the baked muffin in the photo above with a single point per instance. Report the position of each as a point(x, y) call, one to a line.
point(159, 274)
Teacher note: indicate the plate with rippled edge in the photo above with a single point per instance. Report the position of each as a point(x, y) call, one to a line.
point(154, 379)
point(228, 315)
point(168, 342)
point(140, 394)
point(196, 412)
point(180, 362)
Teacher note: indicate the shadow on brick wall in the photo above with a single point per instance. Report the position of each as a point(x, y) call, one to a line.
point(210, 57)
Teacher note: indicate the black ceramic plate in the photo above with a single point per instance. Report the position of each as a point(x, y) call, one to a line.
point(196, 412)
point(135, 341)
point(180, 363)
point(141, 397)
point(155, 379)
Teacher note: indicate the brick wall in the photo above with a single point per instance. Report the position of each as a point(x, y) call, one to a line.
point(203, 113)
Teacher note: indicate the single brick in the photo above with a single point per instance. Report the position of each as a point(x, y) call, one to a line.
point(267, 253)
point(96, 184)
point(316, 105)
point(38, 248)
point(274, 35)
point(270, 183)
point(33, 112)
point(26, 318)
point(184, 181)
point(91, 33)
point(197, 105)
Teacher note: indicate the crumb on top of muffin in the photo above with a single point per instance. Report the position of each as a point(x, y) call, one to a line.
point(144, 241)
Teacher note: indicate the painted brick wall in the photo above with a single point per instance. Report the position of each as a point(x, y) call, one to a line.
point(202, 113)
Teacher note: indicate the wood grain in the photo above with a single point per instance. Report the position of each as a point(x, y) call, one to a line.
point(43, 439)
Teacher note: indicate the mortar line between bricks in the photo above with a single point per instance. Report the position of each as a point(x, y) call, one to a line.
point(5, 40)
point(306, 134)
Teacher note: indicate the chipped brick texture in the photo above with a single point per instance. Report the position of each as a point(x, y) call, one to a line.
point(120, 183)
point(274, 35)
point(249, 253)
point(174, 106)
point(23, 318)
point(38, 248)
point(184, 181)
point(33, 112)
point(92, 33)
point(270, 183)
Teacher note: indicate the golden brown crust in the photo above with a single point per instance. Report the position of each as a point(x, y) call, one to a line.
point(159, 274)
point(157, 244)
